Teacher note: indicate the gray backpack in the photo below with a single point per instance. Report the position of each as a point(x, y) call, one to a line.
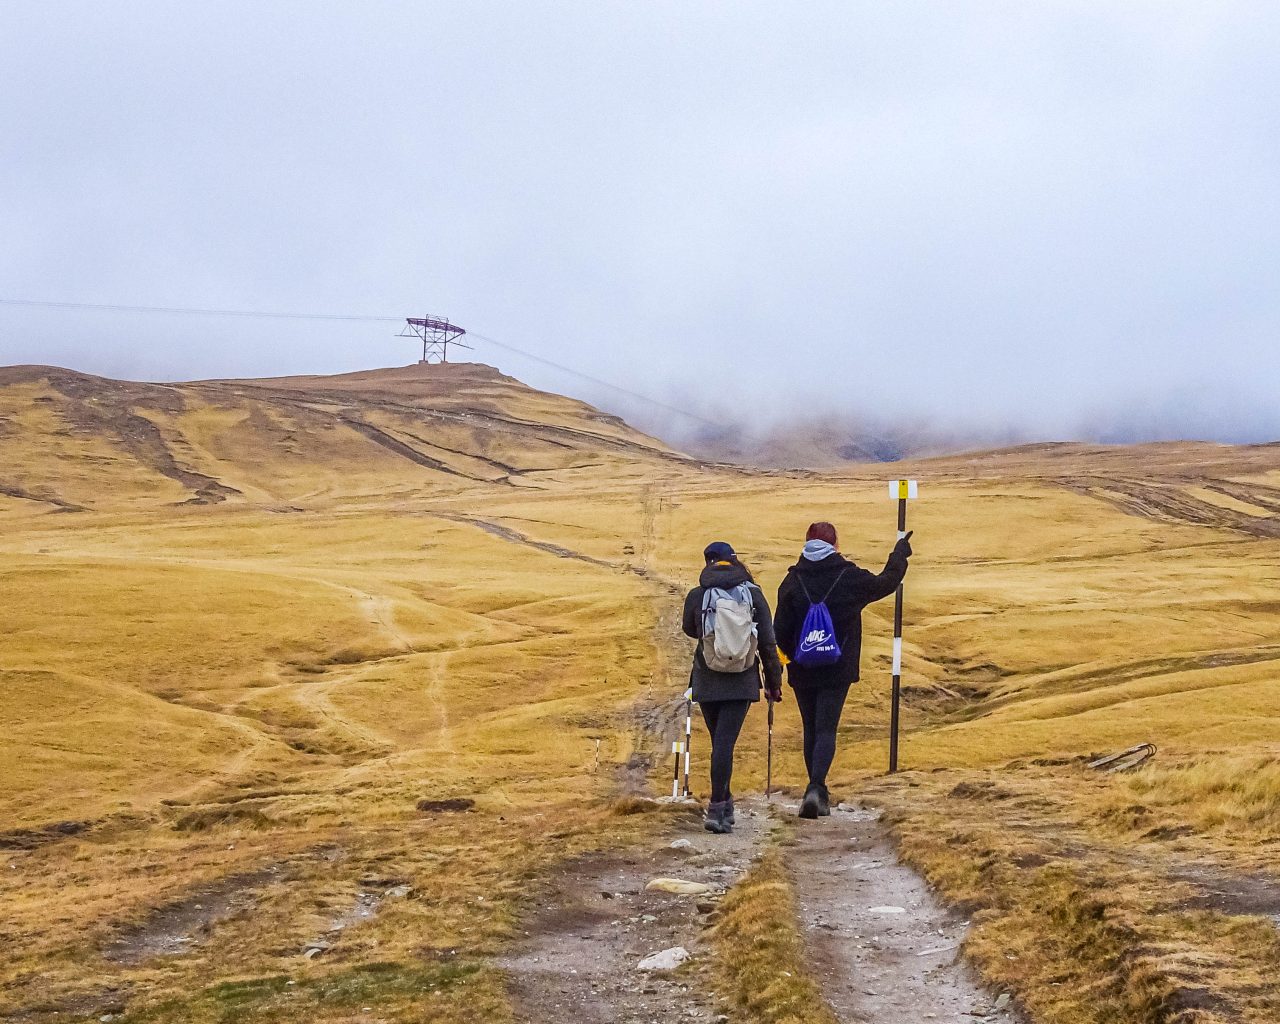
point(729, 642)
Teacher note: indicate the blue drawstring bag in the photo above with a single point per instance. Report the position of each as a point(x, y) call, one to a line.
point(817, 644)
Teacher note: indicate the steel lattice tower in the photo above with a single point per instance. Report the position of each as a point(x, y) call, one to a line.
point(436, 334)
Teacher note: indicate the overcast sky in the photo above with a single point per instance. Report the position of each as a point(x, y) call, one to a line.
point(1063, 217)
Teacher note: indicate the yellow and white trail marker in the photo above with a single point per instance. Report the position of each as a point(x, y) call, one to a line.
point(903, 491)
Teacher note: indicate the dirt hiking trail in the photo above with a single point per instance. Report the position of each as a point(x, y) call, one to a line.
point(581, 960)
point(880, 945)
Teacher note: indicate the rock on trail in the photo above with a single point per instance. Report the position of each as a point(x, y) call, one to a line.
point(666, 960)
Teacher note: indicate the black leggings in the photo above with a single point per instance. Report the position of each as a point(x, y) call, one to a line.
point(724, 720)
point(820, 712)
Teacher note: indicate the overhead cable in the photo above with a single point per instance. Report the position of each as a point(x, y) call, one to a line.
point(104, 307)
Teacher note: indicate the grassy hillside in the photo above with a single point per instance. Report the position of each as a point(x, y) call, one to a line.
point(377, 651)
point(70, 440)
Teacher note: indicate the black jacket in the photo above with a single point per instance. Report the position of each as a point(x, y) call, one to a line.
point(856, 589)
point(709, 685)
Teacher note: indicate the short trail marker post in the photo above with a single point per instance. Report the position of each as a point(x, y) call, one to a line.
point(677, 748)
point(688, 735)
point(903, 490)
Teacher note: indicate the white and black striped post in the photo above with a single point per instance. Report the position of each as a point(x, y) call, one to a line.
point(902, 490)
point(677, 748)
point(688, 735)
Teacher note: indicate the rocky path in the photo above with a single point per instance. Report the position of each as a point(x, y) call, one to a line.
point(881, 946)
point(582, 960)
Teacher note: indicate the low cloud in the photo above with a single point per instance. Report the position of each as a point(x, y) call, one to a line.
point(1051, 220)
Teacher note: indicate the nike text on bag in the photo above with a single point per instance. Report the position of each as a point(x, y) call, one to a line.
point(817, 644)
point(729, 640)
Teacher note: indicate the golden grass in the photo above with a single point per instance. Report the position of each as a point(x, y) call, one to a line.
point(1083, 928)
point(1219, 793)
point(226, 693)
point(235, 692)
point(759, 961)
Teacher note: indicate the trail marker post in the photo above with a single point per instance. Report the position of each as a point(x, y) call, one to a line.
point(688, 735)
point(677, 748)
point(903, 490)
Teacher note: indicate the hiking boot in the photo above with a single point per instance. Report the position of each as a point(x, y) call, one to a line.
point(717, 820)
point(729, 815)
point(811, 805)
point(824, 802)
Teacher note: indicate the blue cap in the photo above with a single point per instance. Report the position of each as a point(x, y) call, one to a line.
point(718, 551)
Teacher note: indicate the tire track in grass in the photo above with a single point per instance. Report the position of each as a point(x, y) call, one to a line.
point(516, 537)
point(1168, 502)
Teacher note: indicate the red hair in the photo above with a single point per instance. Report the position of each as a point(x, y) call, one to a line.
point(822, 531)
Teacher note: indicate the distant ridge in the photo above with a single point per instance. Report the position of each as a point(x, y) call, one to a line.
point(834, 442)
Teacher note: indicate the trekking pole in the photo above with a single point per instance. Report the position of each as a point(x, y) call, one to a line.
point(688, 735)
point(902, 490)
point(768, 772)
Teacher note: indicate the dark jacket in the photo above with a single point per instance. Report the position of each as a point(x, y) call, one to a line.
point(709, 685)
point(856, 589)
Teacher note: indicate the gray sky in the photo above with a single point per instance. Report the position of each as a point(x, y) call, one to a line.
point(1063, 217)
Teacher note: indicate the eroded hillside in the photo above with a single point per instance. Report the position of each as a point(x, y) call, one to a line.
point(74, 441)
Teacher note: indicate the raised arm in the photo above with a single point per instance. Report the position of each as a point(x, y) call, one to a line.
point(882, 585)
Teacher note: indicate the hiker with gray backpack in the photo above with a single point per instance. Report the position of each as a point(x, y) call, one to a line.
point(819, 630)
point(729, 617)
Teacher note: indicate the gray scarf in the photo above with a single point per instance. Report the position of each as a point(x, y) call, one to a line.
point(817, 550)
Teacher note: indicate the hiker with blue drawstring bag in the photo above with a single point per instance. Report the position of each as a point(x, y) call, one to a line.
point(729, 617)
point(818, 625)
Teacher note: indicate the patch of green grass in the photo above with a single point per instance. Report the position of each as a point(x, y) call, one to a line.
point(234, 998)
point(458, 993)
